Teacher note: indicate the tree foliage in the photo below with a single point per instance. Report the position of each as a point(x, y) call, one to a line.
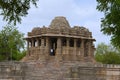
point(107, 54)
point(13, 10)
point(111, 21)
point(11, 42)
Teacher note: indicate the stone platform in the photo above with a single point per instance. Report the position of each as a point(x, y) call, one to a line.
point(53, 70)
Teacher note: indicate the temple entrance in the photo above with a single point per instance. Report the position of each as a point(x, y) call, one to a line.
point(53, 46)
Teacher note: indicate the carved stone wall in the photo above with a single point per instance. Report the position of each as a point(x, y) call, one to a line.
point(12, 71)
point(54, 70)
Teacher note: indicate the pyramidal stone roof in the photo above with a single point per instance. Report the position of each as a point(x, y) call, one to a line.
point(59, 22)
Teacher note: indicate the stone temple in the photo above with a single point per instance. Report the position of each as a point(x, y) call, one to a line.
point(59, 41)
point(59, 52)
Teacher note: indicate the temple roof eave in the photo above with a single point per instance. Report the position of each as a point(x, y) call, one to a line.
point(58, 35)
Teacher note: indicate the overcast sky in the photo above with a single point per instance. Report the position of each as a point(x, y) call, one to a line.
point(77, 12)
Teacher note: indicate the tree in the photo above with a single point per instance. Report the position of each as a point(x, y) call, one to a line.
point(107, 54)
point(13, 10)
point(111, 22)
point(11, 42)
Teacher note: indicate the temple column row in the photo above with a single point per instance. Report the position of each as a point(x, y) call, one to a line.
point(33, 42)
point(46, 49)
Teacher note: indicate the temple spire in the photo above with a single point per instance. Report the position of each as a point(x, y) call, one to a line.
point(59, 22)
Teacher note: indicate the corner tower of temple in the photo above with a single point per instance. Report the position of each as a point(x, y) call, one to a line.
point(60, 42)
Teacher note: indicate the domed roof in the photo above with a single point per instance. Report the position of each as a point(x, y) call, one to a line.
point(59, 22)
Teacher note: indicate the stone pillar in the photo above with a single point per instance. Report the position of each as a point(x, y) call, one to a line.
point(59, 50)
point(30, 43)
point(33, 43)
point(67, 56)
point(75, 46)
point(59, 46)
point(28, 47)
point(37, 42)
point(42, 48)
point(89, 48)
point(37, 49)
point(75, 50)
point(82, 48)
point(90, 51)
point(47, 49)
point(68, 45)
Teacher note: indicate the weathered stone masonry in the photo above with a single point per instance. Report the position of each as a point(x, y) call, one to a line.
point(58, 71)
point(68, 43)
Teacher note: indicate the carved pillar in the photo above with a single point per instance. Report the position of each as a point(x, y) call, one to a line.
point(37, 49)
point(42, 46)
point(75, 46)
point(47, 51)
point(68, 45)
point(75, 50)
point(89, 48)
point(67, 56)
point(33, 43)
point(30, 43)
point(28, 47)
point(92, 49)
point(59, 50)
point(82, 47)
point(37, 42)
point(59, 46)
